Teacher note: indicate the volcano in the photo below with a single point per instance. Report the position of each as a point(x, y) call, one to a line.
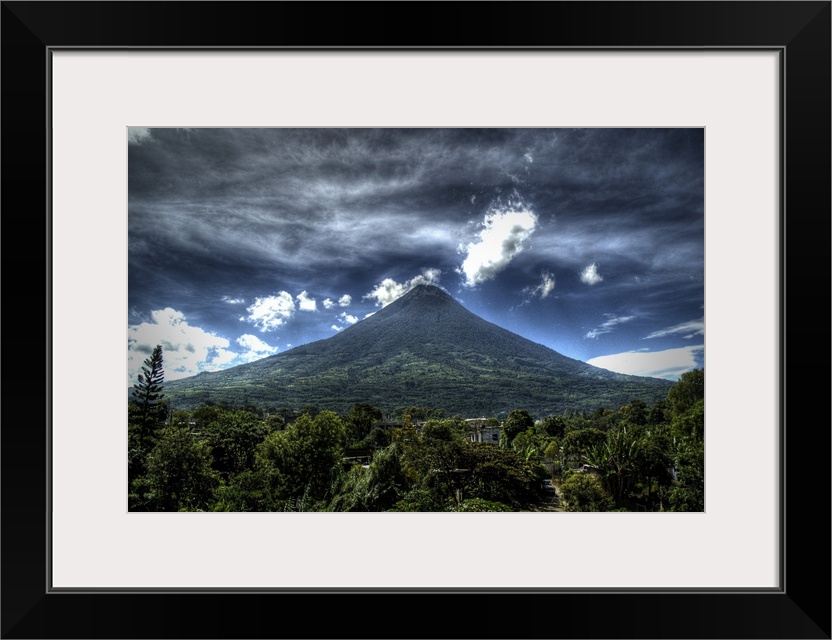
point(423, 349)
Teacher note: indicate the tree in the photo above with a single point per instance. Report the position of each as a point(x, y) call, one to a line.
point(376, 488)
point(361, 419)
point(689, 495)
point(303, 460)
point(179, 475)
point(148, 390)
point(686, 392)
point(584, 492)
point(498, 475)
point(690, 424)
point(449, 430)
point(233, 436)
point(636, 412)
point(146, 412)
point(577, 443)
point(518, 421)
point(553, 426)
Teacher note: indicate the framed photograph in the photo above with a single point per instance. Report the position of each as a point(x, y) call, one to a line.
point(723, 108)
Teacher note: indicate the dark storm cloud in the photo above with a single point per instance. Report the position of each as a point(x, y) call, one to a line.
point(240, 214)
point(291, 198)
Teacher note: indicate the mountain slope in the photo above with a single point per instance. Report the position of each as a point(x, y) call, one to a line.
point(423, 349)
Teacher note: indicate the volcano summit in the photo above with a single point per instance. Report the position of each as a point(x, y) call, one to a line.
point(423, 349)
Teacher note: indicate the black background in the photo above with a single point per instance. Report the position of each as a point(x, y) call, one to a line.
point(801, 609)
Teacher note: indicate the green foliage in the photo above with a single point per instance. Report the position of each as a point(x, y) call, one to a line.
point(179, 475)
point(689, 494)
point(246, 491)
point(577, 443)
point(686, 392)
point(499, 475)
point(420, 413)
point(233, 436)
point(361, 419)
point(351, 490)
point(225, 458)
point(529, 446)
point(480, 505)
point(310, 410)
point(658, 413)
point(422, 499)
point(377, 488)
point(437, 465)
point(305, 456)
point(450, 430)
point(686, 499)
point(553, 426)
point(636, 412)
point(584, 492)
point(379, 438)
point(690, 423)
point(518, 421)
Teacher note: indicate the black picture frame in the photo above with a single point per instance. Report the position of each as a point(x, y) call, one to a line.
point(800, 608)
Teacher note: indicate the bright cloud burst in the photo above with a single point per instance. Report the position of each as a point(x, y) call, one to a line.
point(388, 289)
point(590, 275)
point(505, 230)
point(270, 312)
point(186, 350)
point(668, 364)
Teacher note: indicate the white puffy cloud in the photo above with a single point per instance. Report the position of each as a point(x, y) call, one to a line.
point(230, 300)
point(388, 289)
point(346, 317)
point(687, 329)
point(186, 350)
point(668, 364)
point(221, 359)
point(255, 348)
point(607, 325)
point(270, 312)
point(305, 303)
point(505, 230)
point(335, 327)
point(590, 275)
point(344, 301)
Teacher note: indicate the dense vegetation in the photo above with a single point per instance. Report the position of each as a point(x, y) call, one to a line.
point(220, 457)
point(424, 349)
